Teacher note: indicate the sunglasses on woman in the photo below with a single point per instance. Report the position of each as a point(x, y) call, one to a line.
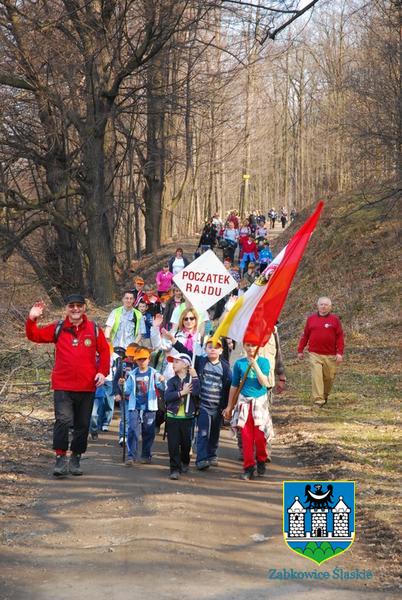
point(189, 319)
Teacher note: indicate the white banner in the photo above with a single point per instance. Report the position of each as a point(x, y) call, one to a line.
point(205, 281)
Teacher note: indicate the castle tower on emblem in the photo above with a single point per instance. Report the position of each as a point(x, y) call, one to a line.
point(296, 519)
point(341, 518)
point(319, 522)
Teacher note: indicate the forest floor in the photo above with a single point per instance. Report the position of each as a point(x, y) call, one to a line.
point(119, 532)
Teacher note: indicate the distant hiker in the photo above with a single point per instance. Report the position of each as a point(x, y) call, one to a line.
point(323, 335)
point(230, 237)
point(164, 280)
point(284, 217)
point(272, 216)
point(175, 305)
point(293, 215)
point(138, 289)
point(250, 275)
point(264, 256)
point(208, 237)
point(144, 332)
point(177, 262)
point(252, 410)
point(122, 325)
point(249, 254)
point(82, 361)
point(179, 417)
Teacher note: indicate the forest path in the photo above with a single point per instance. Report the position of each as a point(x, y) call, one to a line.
point(120, 532)
point(129, 532)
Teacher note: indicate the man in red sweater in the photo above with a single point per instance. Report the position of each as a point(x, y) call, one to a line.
point(82, 361)
point(324, 335)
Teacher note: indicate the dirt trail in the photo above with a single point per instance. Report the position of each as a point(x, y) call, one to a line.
point(120, 532)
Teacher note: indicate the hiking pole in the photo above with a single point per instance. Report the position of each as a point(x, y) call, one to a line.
point(123, 400)
point(187, 407)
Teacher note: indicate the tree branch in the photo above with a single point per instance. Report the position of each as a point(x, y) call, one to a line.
point(271, 34)
point(16, 82)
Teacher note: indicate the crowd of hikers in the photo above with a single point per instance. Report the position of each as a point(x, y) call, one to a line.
point(166, 373)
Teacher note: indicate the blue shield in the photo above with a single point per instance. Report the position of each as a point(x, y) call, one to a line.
point(319, 518)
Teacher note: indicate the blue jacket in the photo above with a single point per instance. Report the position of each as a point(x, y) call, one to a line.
point(173, 399)
point(265, 255)
point(131, 387)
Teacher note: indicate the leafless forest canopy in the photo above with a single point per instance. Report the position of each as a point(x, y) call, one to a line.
point(125, 123)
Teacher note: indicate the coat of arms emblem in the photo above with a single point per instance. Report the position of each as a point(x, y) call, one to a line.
point(318, 518)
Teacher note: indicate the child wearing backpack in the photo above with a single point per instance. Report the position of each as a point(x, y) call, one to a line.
point(141, 387)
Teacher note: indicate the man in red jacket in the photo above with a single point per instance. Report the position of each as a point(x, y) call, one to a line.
point(82, 361)
point(324, 335)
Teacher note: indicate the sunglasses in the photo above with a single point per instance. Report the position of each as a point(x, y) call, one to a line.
point(189, 319)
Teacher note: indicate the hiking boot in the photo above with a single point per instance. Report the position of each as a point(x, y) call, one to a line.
point(185, 468)
point(202, 465)
point(146, 460)
point(214, 461)
point(247, 474)
point(261, 468)
point(61, 467)
point(74, 464)
point(94, 435)
point(174, 475)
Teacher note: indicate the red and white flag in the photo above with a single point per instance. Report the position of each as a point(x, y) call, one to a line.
point(253, 316)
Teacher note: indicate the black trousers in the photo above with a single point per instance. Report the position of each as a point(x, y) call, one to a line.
point(72, 409)
point(179, 442)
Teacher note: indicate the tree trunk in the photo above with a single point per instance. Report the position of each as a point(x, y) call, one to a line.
point(100, 245)
point(154, 170)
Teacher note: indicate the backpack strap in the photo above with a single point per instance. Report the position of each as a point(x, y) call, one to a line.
point(59, 327)
point(57, 331)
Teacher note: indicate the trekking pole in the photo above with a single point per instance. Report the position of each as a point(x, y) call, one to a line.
point(187, 408)
point(123, 400)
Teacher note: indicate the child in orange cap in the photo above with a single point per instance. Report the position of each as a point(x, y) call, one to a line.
point(141, 387)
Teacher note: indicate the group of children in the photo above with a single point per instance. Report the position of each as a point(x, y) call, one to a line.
point(192, 396)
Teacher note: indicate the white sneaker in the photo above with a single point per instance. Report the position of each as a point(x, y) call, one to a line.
point(105, 428)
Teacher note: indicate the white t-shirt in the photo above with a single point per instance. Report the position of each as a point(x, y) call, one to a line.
point(178, 265)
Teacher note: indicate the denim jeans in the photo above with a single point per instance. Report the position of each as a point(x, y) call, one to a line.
point(108, 405)
point(247, 257)
point(121, 426)
point(96, 424)
point(140, 422)
point(209, 427)
point(102, 412)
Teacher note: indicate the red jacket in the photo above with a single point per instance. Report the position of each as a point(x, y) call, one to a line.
point(324, 335)
point(75, 367)
point(249, 246)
